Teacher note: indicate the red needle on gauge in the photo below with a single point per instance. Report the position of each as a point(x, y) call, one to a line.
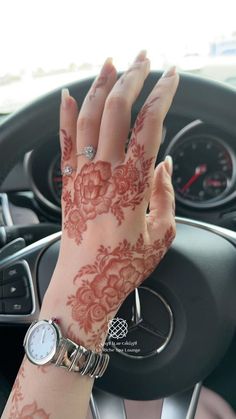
point(200, 170)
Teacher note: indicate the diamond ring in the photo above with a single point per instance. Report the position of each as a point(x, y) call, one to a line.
point(89, 152)
point(67, 171)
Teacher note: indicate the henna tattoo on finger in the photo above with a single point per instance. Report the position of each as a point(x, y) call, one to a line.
point(67, 146)
point(100, 82)
point(104, 284)
point(65, 157)
point(135, 66)
point(139, 123)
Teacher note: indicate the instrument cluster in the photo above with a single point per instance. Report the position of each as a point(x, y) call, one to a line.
point(204, 171)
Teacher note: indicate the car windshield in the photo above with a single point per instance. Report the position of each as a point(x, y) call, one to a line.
point(48, 44)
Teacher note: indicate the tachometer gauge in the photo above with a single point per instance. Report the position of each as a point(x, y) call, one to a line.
point(204, 170)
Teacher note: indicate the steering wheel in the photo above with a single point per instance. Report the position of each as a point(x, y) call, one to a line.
point(183, 316)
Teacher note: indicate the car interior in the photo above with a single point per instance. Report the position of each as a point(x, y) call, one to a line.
point(177, 350)
point(187, 304)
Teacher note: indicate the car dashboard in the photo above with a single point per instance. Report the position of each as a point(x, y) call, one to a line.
point(204, 176)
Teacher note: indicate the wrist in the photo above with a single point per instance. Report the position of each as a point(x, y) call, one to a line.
point(91, 333)
point(45, 343)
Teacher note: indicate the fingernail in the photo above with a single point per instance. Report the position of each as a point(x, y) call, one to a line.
point(107, 67)
point(169, 164)
point(65, 94)
point(169, 72)
point(142, 55)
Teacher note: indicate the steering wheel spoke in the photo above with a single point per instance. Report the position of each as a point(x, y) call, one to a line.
point(183, 405)
point(106, 406)
point(179, 406)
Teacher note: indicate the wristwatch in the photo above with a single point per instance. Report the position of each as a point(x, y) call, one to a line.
point(44, 344)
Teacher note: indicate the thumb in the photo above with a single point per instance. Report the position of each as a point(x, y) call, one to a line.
point(162, 202)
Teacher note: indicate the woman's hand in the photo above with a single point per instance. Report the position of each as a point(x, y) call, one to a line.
point(109, 245)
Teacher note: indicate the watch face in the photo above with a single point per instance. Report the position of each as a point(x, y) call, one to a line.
point(41, 342)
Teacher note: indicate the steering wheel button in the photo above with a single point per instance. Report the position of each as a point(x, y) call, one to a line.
point(18, 306)
point(15, 272)
point(14, 289)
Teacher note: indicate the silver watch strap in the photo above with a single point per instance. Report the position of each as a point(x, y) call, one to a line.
point(76, 358)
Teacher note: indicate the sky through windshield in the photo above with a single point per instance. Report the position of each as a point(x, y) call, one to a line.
point(45, 37)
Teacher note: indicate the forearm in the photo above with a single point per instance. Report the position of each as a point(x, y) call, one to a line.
point(108, 244)
point(83, 297)
point(48, 391)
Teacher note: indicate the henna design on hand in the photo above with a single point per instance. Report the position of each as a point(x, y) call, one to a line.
point(67, 146)
point(139, 123)
point(100, 82)
point(66, 155)
point(105, 284)
point(17, 395)
point(102, 79)
point(32, 411)
point(99, 189)
point(28, 411)
point(134, 66)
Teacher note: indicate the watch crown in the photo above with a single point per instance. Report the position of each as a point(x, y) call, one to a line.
point(55, 320)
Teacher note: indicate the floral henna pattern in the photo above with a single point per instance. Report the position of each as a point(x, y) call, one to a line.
point(66, 155)
point(100, 82)
point(105, 284)
point(139, 123)
point(99, 189)
point(17, 395)
point(67, 146)
point(29, 411)
point(67, 198)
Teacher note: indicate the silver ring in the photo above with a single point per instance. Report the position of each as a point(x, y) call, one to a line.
point(67, 171)
point(89, 152)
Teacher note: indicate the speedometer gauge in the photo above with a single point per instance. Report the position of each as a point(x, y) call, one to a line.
point(204, 170)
